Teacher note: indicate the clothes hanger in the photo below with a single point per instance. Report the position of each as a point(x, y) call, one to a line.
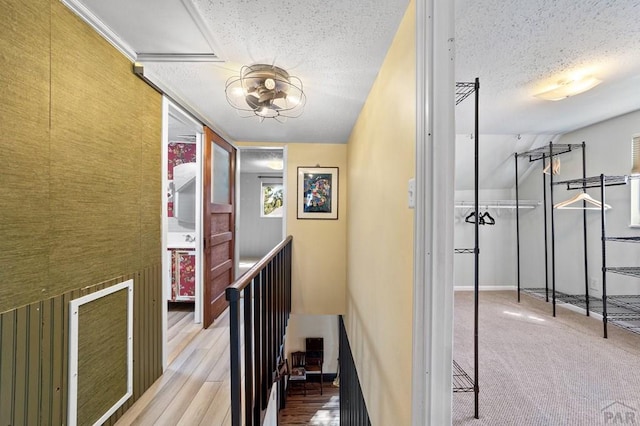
point(554, 165)
point(488, 219)
point(471, 218)
point(582, 196)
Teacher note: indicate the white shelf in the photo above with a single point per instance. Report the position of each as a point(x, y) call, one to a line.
point(498, 204)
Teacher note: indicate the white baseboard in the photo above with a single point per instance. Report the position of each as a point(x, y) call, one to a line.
point(486, 288)
point(578, 309)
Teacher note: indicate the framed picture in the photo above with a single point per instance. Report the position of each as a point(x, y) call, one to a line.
point(271, 199)
point(317, 193)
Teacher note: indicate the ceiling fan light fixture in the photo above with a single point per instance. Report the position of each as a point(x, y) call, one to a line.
point(275, 164)
point(293, 100)
point(265, 91)
point(566, 88)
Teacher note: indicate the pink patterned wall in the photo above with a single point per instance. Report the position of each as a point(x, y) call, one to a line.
point(183, 274)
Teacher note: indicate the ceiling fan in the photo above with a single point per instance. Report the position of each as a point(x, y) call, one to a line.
point(266, 91)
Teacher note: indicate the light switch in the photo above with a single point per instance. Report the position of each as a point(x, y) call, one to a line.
point(412, 193)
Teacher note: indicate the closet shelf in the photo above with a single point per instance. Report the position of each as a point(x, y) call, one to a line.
point(498, 204)
point(463, 90)
point(630, 324)
point(464, 251)
point(620, 308)
point(624, 239)
point(632, 271)
point(546, 152)
point(593, 182)
point(461, 380)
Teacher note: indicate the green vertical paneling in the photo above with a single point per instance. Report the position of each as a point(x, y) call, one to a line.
point(34, 363)
point(7, 366)
point(46, 366)
point(159, 302)
point(21, 372)
point(58, 356)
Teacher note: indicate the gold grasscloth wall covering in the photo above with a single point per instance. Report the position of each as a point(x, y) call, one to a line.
point(80, 156)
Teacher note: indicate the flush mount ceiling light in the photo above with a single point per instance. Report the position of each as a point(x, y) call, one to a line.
point(266, 91)
point(566, 88)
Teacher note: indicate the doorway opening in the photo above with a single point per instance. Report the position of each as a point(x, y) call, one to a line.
point(181, 229)
point(261, 203)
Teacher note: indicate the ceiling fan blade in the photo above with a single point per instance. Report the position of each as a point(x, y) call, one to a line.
point(253, 101)
point(265, 96)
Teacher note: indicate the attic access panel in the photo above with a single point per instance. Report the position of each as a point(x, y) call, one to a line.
point(100, 373)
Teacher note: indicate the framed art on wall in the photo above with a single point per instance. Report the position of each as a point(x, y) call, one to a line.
point(271, 199)
point(317, 193)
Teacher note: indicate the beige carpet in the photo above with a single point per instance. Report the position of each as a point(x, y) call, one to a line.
point(540, 370)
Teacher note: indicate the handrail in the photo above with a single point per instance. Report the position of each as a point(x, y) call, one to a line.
point(253, 272)
point(259, 310)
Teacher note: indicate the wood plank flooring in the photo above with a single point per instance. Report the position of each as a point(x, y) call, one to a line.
point(195, 388)
point(313, 409)
point(181, 329)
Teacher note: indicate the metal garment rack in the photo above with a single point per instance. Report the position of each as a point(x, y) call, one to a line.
point(625, 309)
point(461, 380)
point(543, 153)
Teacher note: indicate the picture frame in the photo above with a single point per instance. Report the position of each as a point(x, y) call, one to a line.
point(271, 199)
point(317, 193)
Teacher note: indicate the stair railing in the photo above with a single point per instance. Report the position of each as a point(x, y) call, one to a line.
point(259, 309)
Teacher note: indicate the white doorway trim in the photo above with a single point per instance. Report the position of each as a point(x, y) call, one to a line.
point(433, 226)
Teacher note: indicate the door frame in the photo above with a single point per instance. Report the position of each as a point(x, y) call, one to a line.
point(433, 219)
point(176, 111)
point(239, 150)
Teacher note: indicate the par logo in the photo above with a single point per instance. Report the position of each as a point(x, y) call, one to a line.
point(618, 413)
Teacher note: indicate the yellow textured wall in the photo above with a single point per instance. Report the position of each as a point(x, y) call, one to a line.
point(381, 160)
point(319, 246)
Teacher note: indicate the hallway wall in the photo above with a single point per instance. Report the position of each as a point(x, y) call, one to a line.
point(81, 199)
point(319, 246)
point(381, 153)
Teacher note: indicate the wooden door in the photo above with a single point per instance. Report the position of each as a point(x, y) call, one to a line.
point(219, 223)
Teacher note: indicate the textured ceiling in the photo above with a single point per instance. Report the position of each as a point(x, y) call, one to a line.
point(259, 160)
point(335, 47)
point(517, 48)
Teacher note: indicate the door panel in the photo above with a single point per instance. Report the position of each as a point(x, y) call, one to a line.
point(219, 223)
